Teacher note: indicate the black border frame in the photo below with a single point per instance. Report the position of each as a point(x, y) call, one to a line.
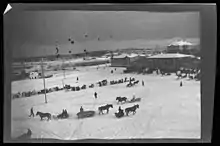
point(208, 42)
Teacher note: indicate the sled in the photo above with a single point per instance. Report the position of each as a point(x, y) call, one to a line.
point(85, 114)
point(119, 115)
point(134, 100)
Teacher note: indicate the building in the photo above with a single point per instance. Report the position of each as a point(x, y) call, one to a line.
point(178, 46)
point(140, 64)
point(120, 61)
point(123, 60)
point(34, 75)
point(170, 61)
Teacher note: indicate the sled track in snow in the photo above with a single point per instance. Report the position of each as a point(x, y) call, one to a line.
point(76, 131)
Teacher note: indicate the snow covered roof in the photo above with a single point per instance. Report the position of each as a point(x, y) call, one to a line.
point(142, 55)
point(126, 55)
point(121, 56)
point(180, 43)
point(170, 55)
point(133, 55)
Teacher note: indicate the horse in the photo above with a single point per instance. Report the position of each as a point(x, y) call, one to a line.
point(67, 86)
point(83, 87)
point(23, 94)
point(56, 88)
point(42, 115)
point(73, 88)
point(77, 88)
point(33, 92)
point(131, 109)
point(132, 79)
point(136, 82)
point(91, 86)
point(129, 85)
point(106, 107)
point(121, 99)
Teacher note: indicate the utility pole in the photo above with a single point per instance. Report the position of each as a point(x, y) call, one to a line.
point(43, 80)
point(64, 75)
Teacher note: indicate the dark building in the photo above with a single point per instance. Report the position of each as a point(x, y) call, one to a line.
point(172, 61)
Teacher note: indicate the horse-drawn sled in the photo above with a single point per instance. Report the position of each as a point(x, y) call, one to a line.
point(85, 114)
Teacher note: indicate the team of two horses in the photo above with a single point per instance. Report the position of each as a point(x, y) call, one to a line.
point(127, 111)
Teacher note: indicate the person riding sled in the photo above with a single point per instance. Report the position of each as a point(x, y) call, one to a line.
point(81, 109)
point(120, 110)
point(133, 97)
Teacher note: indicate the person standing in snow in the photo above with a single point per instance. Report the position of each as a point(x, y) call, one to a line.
point(31, 112)
point(95, 94)
point(181, 84)
point(77, 79)
point(142, 83)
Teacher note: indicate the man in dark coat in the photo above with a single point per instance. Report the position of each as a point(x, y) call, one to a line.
point(181, 84)
point(32, 112)
point(95, 94)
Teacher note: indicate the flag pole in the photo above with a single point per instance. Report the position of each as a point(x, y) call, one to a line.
point(44, 80)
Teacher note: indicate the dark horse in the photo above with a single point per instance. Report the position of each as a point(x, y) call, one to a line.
point(131, 109)
point(43, 115)
point(121, 99)
point(106, 107)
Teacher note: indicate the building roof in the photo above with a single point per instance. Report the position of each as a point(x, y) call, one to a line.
point(126, 55)
point(180, 43)
point(121, 56)
point(170, 55)
point(133, 55)
point(143, 55)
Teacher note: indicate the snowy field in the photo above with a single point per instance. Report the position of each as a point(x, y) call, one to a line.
point(166, 109)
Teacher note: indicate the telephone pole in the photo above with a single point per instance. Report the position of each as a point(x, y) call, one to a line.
point(42, 67)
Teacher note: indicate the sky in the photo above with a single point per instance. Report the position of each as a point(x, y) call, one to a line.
point(34, 33)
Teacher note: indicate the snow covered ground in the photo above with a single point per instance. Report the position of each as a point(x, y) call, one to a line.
point(166, 109)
